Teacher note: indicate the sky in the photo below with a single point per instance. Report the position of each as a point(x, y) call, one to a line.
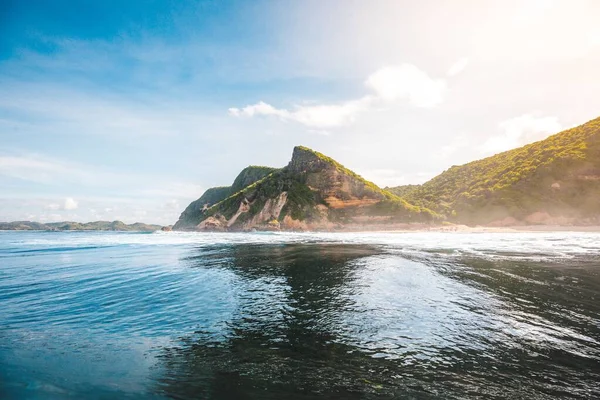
point(129, 110)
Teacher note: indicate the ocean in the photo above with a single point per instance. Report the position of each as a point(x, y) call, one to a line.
point(417, 315)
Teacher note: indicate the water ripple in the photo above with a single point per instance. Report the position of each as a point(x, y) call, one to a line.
point(409, 315)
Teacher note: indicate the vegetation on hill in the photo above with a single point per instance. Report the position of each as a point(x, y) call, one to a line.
point(312, 189)
point(214, 195)
point(283, 180)
point(559, 176)
point(330, 162)
point(402, 190)
point(249, 175)
point(391, 205)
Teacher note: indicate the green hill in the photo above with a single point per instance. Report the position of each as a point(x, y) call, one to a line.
point(214, 195)
point(553, 181)
point(312, 192)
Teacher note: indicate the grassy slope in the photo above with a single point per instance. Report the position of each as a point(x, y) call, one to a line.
point(192, 215)
point(344, 170)
point(393, 205)
point(518, 182)
point(248, 176)
point(402, 190)
point(267, 188)
point(302, 200)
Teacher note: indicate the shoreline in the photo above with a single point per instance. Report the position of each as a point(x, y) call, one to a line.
point(504, 229)
point(399, 228)
point(406, 228)
point(479, 229)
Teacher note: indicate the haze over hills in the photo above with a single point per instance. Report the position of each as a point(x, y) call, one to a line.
point(78, 226)
point(555, 181)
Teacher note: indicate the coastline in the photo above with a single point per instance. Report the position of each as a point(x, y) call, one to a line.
point(412, 228)
point(482, 229)
point(357, 228)
point(516, 228)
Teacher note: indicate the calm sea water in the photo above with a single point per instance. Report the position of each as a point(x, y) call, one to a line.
point(299, 316)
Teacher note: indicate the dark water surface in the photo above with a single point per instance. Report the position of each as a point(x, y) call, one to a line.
point(299, 316)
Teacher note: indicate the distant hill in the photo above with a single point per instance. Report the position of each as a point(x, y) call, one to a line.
point(78, 226)
point(555, 181)
point(312, 192)
point(403, 190)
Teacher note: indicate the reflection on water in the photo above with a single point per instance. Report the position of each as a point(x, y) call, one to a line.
point(345, 321)
point(284, 337)
point(394, 317)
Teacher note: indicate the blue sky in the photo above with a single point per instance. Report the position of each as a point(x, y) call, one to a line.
point(129, 110)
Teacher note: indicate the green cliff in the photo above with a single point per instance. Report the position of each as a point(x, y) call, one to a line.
point(312, 192)
point(555, 181)
point(212, 196)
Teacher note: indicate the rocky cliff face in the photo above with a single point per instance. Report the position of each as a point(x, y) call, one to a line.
point(312, 192)
point(192, 215)
point(336, 185)
point(306, 160)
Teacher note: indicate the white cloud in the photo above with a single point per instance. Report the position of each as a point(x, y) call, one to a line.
point(458, 67)
point(406, 82)
point(70, 204)
point(318, 116)
point(260, 108)
point(389, 84)
point(521, 130)
point(327, 116)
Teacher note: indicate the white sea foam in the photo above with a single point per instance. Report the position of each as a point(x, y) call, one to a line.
point(529, 245)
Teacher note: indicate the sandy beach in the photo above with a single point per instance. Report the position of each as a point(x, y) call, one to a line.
point(472, 229)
